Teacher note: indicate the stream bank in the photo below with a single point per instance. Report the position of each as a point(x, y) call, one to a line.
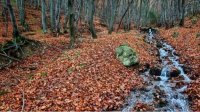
point(164, 85)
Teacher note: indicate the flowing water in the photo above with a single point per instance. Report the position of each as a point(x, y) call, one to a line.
point(162, 93)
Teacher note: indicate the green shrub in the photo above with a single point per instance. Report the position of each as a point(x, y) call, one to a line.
point(43, 74)
point(70, 70)
point(30, 76)
point(3, 92)
point(175, 34)
point(194, 20)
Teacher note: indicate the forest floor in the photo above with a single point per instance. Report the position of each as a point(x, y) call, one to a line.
point(88, 77)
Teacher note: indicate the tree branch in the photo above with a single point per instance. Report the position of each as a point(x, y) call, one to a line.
point(129, 4)
point(9, 57)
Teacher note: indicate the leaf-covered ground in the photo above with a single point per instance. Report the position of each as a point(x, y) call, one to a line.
point(88, 77)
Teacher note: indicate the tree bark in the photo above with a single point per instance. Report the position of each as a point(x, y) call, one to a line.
point(65, 16)
point(22, 12)
point(4, 15)
point(44, 26)
point(12, 17)
point(112, 16)
point(91, 18)
point(57, 18)
point(183, 13)
point(71, 23)
point(52, 15)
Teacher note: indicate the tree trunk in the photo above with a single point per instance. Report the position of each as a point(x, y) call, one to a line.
point(18, 3)
point(12, 17)
point(183, 13)
point(65, 16)
point(5, 17)
point(52, 15)
point(91, 17)
point(58, 8)
point(112, 16)
point(140, 14)
point(44, 26)
point(71, 23)
point(22, 12)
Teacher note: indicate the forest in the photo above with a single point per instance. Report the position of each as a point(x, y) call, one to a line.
point(100, 55)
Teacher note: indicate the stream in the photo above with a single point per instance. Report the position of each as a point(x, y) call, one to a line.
point(165, 92)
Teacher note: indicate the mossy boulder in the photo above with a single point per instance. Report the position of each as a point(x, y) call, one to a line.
point(127, 55)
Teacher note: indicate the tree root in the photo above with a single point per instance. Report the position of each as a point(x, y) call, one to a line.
point(14, 50)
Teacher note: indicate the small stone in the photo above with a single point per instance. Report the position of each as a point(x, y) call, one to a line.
point(162, 102)
point(157, 78)
point(174, 72)
point(159, 45)
point(155, 71)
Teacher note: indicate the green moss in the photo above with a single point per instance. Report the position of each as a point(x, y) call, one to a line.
point(175, 34)
point(82, 65)
point(78, 53)
point(194, 20)
point(44, 74)
point(70, 70)
point(3, 92)
point(30, 76)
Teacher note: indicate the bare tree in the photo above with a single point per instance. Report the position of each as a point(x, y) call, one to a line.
point(13, 20)
point(44, 26)
point(52, 15)
point(113, 7)
point(91, 18)
point(71, 23)
point(182, 13)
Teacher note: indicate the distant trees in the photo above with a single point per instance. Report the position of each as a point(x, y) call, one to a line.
point(124, 14)
point(65, 16)
point(91, 18)
point(44, 22)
